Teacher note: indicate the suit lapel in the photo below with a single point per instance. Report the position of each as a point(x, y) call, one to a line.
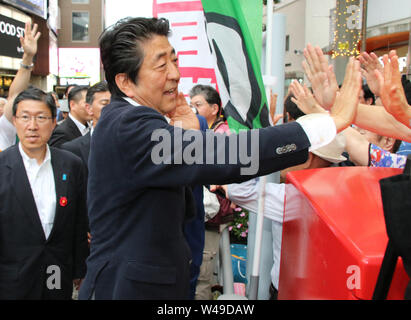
point(85, 147)
point(23, 192)
point(73, 128)
point(61, 177)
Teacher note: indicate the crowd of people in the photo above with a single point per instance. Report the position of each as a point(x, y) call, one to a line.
point(84, 209)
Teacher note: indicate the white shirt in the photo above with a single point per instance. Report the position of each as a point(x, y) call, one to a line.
point(42, 185)
point(83, 129)
point(246, 195)
point(7, 133)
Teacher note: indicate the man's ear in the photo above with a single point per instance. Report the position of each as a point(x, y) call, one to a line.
point(89, 109)
point(124, 83)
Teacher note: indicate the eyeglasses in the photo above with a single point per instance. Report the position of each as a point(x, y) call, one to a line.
point(39, 119)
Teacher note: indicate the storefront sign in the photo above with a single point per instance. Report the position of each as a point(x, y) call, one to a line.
point(10, 32)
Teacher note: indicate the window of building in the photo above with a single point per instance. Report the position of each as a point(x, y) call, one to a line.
point(80, 25)
point(80, 1)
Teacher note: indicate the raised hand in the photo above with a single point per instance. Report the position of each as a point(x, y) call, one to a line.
point(273, 106)
point(392, 92)
point(304, 99)
point(183, 116)
point(370, 64)
point(345, 107)
point(29, 41)
point(321, 75)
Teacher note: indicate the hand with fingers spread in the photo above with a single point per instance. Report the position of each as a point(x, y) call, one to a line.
point(370, 64)
point(304, 99)
point(392, 92)
point(30, 39)
point(345, 107)
point(183, 116)
point(321, 75)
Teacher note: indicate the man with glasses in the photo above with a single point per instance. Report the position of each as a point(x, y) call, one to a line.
point(43, 225)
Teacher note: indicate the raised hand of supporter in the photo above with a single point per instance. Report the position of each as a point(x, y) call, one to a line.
point(22, 78)
point(304, 99)
point(183, 116)
point(273, 107)
point(30, 39)
point(369, 64)
point(321, 75)
point(344, 109)
point(392, 92)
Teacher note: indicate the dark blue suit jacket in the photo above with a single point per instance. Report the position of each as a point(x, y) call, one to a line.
point(137, 208)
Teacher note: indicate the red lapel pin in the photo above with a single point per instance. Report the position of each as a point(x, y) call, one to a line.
point(63, 201)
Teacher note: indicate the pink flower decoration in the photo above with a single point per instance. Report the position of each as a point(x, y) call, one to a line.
point(230, 228)
point(242, 215)
point(243, 234)
point(238, 209)
point(239, 225)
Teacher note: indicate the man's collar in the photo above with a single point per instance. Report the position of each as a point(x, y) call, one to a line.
point(131, 101)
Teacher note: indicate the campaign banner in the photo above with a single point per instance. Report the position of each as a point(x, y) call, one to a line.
point(215, 47)
point(189, 39)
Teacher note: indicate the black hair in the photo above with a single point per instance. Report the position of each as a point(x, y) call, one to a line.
point(33, 93)
point(368, 93)
point(75, 94)
point(98, 87)
point(121, 47)
point(406, 84)
point(210, 94)
point(292, 108)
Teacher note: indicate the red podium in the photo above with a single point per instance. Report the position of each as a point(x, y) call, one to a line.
point(334, 235)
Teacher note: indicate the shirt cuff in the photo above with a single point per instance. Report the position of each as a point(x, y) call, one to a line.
point(319, 128)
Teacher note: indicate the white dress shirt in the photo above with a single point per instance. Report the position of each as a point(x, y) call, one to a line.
point(83, 129)
point(246, 195)
point(7, 133)
point(42, 185)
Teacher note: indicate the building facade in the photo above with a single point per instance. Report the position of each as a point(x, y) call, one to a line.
point(82, 22)
point(313, 21)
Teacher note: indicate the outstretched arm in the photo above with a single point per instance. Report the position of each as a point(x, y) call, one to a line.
point(369, 64)
point(345, 106)
point(22, 79)
point(392, 91)
point(321, 76)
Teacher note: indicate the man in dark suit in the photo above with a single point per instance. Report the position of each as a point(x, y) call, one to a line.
point(76, 124)
point(97, 97)
point(43, 226)
point(136, 201)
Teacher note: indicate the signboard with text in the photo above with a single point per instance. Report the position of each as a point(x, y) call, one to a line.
point(10, 32)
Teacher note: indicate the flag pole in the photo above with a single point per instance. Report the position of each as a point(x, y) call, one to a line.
point(255, 273)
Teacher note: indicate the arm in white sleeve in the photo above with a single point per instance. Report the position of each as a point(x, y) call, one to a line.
point(246, 196)
point(320, 129)
point(7, 133)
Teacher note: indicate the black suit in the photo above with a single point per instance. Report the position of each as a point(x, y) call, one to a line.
point(137, 208)
point(80, 147)
point(25, 253)
point(66, 131)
